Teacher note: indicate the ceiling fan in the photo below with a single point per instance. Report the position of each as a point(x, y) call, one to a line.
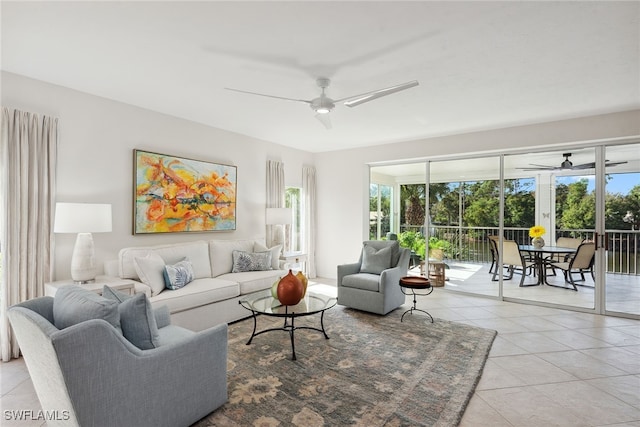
point(323, 105)
point(568, 165)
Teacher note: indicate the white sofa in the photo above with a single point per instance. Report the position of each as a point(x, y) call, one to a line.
point(212, 297)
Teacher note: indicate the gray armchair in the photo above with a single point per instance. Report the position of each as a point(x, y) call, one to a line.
point(89, 374)
point(372, 283)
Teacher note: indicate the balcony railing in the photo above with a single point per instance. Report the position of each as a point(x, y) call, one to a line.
point(470, 244)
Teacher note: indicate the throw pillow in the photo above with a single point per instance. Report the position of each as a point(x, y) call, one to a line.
point(161, 314)
point(73, 304)
point(251, 261)
point(375, 261)
point(137, 318)
point(150, 269)
point(276, 251)
point(178, 275)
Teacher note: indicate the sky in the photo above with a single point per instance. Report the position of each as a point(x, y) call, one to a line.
point(618, 183)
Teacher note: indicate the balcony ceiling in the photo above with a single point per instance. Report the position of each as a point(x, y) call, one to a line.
point(481, 65)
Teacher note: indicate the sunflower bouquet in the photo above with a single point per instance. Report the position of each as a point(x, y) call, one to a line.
point(537, 231)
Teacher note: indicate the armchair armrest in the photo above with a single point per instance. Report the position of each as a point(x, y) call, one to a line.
point(390, 278)
point(347, 269)
point(112, 382)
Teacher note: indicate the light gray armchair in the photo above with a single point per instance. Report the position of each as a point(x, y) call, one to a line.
point(372, 283)
point(89, 374)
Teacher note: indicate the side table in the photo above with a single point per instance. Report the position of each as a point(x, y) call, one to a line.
point(122, 285)
point(413, 283)
point(292, 258)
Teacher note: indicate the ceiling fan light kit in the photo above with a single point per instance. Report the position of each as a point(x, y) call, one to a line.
point(323, 105)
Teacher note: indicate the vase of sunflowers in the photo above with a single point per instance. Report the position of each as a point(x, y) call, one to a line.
point(536, 232)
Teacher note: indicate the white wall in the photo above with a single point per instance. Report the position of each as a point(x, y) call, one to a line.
point(343, 186)
point(95, 161)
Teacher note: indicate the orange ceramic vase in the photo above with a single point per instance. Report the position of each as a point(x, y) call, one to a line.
point(290, 290)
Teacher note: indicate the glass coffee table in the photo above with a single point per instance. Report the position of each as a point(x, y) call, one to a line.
point(314, 302)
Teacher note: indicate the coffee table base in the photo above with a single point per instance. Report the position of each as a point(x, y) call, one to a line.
point(287, 327)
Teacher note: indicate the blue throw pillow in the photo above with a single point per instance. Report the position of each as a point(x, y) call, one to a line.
point(137, 319)
point(178, 275)
point(74, 304)
point(375, 261)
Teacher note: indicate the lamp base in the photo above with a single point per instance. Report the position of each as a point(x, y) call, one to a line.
point(84, 282)
point(83, 264)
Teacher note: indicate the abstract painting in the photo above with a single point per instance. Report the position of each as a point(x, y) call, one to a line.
point(174, 194)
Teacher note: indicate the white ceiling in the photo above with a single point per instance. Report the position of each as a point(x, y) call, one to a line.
point(480, 65)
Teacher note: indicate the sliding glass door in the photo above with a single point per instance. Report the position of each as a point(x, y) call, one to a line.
point(587, 195)
point(622, 227)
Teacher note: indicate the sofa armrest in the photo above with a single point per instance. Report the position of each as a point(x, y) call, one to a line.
point(112, 382)
point(347, 269)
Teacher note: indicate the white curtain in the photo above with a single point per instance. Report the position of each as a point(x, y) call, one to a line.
point(275, 190)
point(28, 147)
point(309, 215)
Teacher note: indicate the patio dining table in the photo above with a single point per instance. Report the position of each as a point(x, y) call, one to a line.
point(539, 258)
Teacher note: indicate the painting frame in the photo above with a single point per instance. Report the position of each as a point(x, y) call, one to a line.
point(174, 194)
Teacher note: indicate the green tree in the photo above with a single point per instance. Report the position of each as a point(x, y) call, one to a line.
point(580, 207)
point(519, 203)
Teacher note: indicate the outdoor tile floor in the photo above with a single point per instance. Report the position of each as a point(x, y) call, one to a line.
point(547, 367)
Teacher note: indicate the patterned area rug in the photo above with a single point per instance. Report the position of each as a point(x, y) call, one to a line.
point(372, 371)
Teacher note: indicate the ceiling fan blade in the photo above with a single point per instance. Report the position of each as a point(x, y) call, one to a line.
point(325, 120)
point(355, 100)
point(268, 96)
point(591, 165)
point(608, 163)
point(536, 167)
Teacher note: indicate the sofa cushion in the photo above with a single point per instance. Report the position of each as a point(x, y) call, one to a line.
point(251, 261)
point(253, 281)
point(221, 254)
point(199, 292)
point(364, 281)
point(73, 304)
point(172, 334)
point(276, 251)
point(150, 270)
point(197, 252)
point(375, 261)
point(178, 275)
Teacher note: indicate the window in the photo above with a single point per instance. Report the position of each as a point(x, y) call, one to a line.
point(380, 197)
point(293, 237)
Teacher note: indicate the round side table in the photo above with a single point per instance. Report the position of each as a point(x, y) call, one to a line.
point(409, 285)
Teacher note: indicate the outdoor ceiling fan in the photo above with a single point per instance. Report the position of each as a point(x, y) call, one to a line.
point(568, 165)
point(323, 105)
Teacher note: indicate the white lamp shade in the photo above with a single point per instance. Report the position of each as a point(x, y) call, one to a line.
point(279, 216)
point(82, 218)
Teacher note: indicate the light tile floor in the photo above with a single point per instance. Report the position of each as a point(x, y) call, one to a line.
point(547, 367)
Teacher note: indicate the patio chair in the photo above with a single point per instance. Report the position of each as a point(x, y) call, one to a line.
point(513, 259)
point(581, 263)
point(493, 243)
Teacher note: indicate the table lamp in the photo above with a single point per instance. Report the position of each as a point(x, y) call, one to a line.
point(84, 219)
point(278, 218)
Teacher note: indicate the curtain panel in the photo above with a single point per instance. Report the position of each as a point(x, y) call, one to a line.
point(275, 191)
point(28, 150)
point(310, 217)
